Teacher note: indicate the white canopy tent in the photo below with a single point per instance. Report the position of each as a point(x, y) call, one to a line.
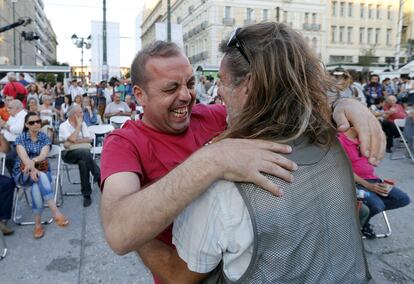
point(27, 77)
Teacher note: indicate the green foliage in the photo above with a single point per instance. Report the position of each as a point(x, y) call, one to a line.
point(47, 78)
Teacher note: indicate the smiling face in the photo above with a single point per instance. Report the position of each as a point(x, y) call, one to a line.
point(169, 94)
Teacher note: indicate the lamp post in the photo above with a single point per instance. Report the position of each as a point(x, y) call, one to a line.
point(81, 42)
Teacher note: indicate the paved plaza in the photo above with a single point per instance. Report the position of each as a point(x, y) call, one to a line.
point(79, 253)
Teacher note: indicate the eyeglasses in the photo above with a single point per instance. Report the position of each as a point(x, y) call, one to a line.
point(33, 122)
point(235, 42)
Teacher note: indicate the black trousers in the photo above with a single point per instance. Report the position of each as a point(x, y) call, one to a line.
point(83, 158)
point(6, 197)
point(390, 131)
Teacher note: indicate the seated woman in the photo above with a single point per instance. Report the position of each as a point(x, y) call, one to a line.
point(6, 193)
point(47, 112)
point(67, 102)
point(78, 100)
point(378, 195)
point(89, 112)
point(32, 105)
point(32, 148)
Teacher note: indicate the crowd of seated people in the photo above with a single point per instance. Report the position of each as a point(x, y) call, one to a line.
point(34, 115)
point(388, 100)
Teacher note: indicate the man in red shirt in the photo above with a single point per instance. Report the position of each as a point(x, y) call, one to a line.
point(392, 110)
point(163, 151)
point(14, 89)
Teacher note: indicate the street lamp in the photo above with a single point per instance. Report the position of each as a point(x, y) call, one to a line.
point(81, 42)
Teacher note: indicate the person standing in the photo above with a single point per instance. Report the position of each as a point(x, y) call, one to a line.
point(14, 89)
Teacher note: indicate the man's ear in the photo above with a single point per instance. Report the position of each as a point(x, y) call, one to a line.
point(139, 94)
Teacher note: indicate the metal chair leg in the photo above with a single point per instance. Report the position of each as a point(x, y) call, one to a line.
point(3, 241)
point(387, 223)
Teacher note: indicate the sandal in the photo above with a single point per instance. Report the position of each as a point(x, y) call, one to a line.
point(38, 232)
point(61, 221)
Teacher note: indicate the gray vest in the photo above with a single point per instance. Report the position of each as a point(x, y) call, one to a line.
point(311, 234)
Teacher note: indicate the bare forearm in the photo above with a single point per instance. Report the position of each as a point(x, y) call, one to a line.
point(74, 136)
point(157, 205)
point(360, 180)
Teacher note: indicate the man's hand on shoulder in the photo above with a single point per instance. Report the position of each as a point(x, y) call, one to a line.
point(245, 160)
point(349, 112)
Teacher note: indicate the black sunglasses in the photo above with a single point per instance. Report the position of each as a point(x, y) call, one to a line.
point(235, 42)
point(33, 122)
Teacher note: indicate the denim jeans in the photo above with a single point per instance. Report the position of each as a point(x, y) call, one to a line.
point(40, 191)
point(86, 164)
point(376, 203)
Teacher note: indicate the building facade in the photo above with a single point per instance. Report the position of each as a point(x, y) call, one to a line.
point(360, 32)
point(206, 23)
point(113, 50)
point(14, 49)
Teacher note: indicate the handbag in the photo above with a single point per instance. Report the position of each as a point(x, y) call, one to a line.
point(42, 166)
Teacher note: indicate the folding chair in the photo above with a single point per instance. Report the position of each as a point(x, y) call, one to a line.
point(99, 130)
point(3, 162)
point(22, 190)
point(387, 224)
point(400, 123)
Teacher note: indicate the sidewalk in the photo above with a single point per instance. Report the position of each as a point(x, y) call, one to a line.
point(79, 253)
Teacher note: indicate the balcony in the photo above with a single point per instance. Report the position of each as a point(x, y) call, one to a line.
point(312, 27)
point(249, 21)
point(199, 57)
point(229, 21)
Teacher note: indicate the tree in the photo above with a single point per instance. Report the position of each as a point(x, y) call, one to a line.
point(367, 57)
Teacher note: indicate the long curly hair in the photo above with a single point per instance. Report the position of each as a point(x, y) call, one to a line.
point(287, 98)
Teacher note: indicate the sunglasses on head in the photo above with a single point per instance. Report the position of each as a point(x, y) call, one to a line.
point(235, 42)
point(33, 122)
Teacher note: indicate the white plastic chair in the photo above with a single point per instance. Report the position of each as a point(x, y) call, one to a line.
point(400, 123)
point(99, 130)
point(3, 241)
point(118, 120)
point(3, 162)
point(55, 151)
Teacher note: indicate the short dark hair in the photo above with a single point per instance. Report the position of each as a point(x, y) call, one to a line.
point(156, 49)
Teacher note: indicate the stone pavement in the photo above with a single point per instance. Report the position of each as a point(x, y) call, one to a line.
point(79, 253)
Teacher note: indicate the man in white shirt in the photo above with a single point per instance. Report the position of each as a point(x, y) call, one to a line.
point(13, 128)
point(117, 107)
point(75, 90)
point(76, 138)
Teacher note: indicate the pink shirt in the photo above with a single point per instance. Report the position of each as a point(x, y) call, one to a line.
point(360, 164)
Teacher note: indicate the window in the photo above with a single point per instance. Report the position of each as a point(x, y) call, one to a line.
point(249, 14)
point(389, 36)
point(340, 59)
point(369, 36)
point(378, 11)
point(361, 35)
point(285, 16)
point(349, 35)
point(341, 34)
point(314, 43)
point(377, 35)
point(306, 18)
point(342, 9)
point(350, 9)
point(333, 33)
point(362, 10)
point(314, 17)
point(334, 4)
point(389, 9)
point(227, 12)
point(370, 11)
point(265, 15)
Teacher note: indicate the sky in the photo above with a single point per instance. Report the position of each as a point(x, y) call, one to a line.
point(74, 16)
